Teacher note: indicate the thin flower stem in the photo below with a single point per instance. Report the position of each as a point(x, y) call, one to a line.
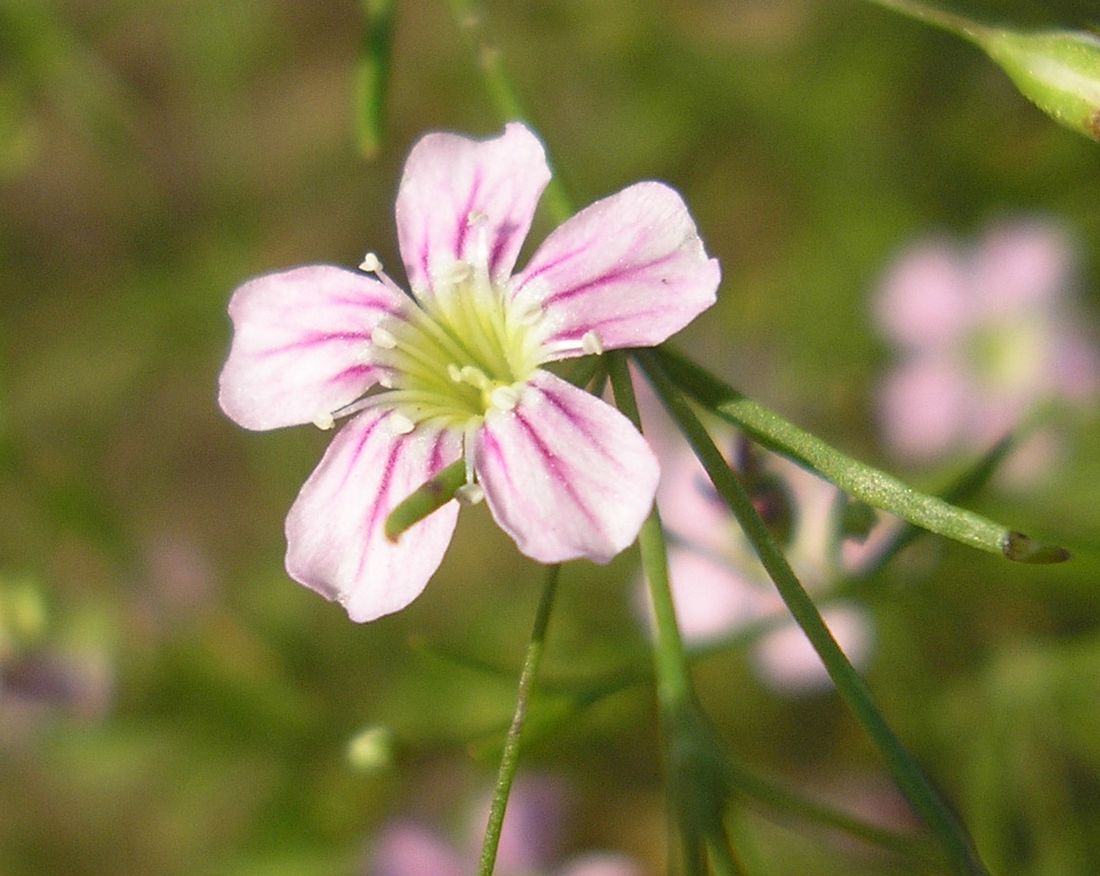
point(509, 759)
point(503, 94)
point(778, 798)
point(941, 18)
point(851, 687)
point(373, 72)
point(675, 690)
point(673, 671)
point(873, 486)
point(721, 854)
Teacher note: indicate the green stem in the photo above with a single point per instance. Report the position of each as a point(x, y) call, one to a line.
point(721, 854)
point(509, 758)
point(778, 798)
point(674, 685)
point(873, 486)
point(675, 690)
point(374, 74)
point(905, 769)
point(503, 94)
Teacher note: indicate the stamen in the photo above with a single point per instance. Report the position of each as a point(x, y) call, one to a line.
point(591, 343)
point(504, 398)
point(373, 265)
point(383, 337)
point(474, 217)
point(324, 422)
point(457, 272)
point(400, 424)
point(525, 311)
point(454, 372)
point(474, 376)
point(361, 404)
point(469, 444)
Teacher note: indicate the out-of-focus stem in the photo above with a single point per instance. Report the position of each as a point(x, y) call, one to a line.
point(509, 759)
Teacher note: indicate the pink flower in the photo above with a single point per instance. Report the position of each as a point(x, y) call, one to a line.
point(454, 370)
point(983, 337)
point(530, 842)
point(719, 585)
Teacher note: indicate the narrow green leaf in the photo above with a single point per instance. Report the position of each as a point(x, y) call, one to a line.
point(373, 74)
point(428, 497)
point(907, 772)
point(871, 485)
point(469, 17)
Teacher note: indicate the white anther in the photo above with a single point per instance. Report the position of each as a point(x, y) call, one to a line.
point(454, 372)
point(457, 272)
point(371, 264)
point(474, 376)
point(474, 217)
point(400, 424)
point(504, 398)
point(525, 308)
point(324, 422)
point(470, 494)
point(591, 343)
point(382, 337)
point(385, 380)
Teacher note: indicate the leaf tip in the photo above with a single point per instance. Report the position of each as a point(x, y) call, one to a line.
point(1023, 549)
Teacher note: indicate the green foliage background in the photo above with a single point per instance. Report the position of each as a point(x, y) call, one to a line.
point(155, 154)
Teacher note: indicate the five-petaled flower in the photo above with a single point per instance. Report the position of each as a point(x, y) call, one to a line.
point(454, 369)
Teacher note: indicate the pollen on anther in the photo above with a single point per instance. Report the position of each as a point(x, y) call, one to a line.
point(382, 337)
point(470, 493)
point(324, 422)
point(504, 398)
point(591, 343)
point(371, 264)
point(457, 272)
point(400, 424)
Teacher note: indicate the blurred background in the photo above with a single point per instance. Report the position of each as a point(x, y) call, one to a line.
point(171, 703)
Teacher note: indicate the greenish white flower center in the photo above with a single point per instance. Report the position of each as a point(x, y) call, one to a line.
point(1006, 354)
point(460, 352)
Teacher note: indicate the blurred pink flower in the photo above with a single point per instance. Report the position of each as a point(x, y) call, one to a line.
point(454, 370)
point(983, 336)
point(530, 842)
point(719, 585)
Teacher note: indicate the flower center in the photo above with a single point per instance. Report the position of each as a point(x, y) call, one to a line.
point(463, 350)
point(1006, 355)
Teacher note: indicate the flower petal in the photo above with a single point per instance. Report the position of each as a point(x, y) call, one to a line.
point(335, 539)
point(298, 345)
point(630, 268)
point(924, 302)
point(565, 474)
point(788, 663)
point(407, 849)
point(926, 406)
point(457, 194)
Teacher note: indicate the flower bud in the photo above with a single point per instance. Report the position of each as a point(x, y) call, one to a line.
point(1058, 71)
point(773, 501)
point(857, 519)
point(372, 749)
